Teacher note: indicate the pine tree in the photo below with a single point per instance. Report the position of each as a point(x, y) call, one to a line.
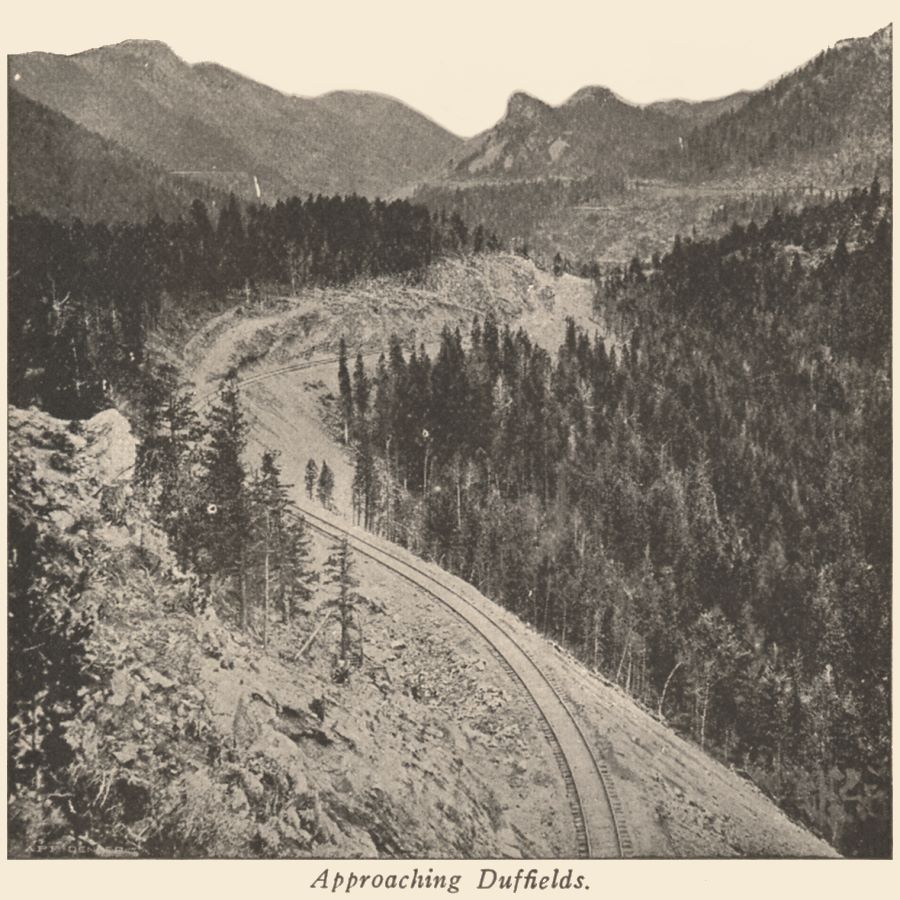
point(338, 572)
point(311, 477)
point(203, 247)
point(281, 547)
point(226, 523)
point(325, 489)
point(231, 244)
point(361, 389)
point(297, 573)
point(365, 498)
point(166, 473)
point(346, 391)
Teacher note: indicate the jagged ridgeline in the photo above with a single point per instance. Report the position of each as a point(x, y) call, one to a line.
point(85, 297)
point(599, 178)
point(701, 501)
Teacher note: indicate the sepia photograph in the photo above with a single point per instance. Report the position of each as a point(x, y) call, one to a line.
point(458, 437)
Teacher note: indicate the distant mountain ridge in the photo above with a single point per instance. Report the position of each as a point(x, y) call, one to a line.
point(135, 114)
point(593, 131)
point(835, 109)
point(206, 120)
point(837, 105)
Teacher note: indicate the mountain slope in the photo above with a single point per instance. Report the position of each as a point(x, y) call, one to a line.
point(62, 170)
point(593, 132)
point(836, 107)
point(187, 740)
point(833, 114)
point(215, 124)
point(699, 112)
point(193, 742)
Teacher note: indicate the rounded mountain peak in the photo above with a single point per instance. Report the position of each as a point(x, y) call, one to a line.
point(593, 93)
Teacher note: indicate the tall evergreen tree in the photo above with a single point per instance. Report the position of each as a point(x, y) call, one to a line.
point(227, 512)
point(338, 572)
point(311, 477)
point(325, 488)
point(346, 391)
point(280, 543)
point(361, 389)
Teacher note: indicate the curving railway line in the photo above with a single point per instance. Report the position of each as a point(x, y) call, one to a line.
point(284, 370)
point(597, 811)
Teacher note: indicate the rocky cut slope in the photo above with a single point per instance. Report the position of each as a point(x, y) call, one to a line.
point(154, 729)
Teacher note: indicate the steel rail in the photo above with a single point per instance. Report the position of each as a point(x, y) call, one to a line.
point(589, 833)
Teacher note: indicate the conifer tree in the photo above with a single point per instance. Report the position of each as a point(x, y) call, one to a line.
point(325, 489)
point(297, 574)
point(346, 391)
point(231, 241)
point(227, 514)
point(311, 477)
point(361, 389)
point(281, 547)
point(166, 474)
point(364, 485)
point(339, 573)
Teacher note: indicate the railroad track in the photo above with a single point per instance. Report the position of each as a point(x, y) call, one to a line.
point(284, 370)
point(203, 399)
point(597, 811)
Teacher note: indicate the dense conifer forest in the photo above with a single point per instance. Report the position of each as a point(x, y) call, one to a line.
point(697, 504)
point(87, 296)
point(817, 106)
point(514, 210)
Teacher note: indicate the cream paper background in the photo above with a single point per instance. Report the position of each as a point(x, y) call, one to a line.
point(423, 52)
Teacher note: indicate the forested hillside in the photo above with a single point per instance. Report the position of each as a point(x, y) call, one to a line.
point(86, 296)
point(839, 103)
point(518, 210)
point(701, 512)
point(699, 111)
point(64, 171)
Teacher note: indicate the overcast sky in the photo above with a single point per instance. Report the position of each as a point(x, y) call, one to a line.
point(458, 61)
